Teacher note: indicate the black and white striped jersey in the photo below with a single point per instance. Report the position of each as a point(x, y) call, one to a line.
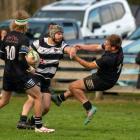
point(49, 57)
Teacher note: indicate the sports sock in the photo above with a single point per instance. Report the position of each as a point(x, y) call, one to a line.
point(38, 122)
point(23, 118)
point(32, 120)
point(87, 105)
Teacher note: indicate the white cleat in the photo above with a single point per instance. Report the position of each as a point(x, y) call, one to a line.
point(44, 130)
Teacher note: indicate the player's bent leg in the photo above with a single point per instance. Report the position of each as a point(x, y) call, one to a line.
point(23, 123)
point(46, 107)
point(77, 88)
point(6, 95)
point(36, 94)
point(27, 106)
point(46, 103)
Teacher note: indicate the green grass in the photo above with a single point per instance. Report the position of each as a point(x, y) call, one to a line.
point(115, 120)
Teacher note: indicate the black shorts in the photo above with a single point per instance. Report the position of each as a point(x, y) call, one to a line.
point(17, 83)
point(94, 83)
point(43, 83)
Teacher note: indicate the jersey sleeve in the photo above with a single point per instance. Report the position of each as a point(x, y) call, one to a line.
point(35, 45)
point(63, 45)
point(2, 52)
point(24, 49)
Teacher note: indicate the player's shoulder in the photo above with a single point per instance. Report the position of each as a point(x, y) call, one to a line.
point(64, 44)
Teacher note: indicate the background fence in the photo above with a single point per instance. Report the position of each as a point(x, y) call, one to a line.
point(70, 70)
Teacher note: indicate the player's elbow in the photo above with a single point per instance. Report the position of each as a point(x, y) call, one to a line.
point(91, 66)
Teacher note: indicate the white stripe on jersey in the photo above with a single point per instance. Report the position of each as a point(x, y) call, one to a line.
point(63, 45)
point(36, 44)
point(29, 84)
point(47, 70)
point(52, 50)
point(51, 61)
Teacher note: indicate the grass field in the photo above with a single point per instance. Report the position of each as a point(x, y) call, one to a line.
point(115, 120)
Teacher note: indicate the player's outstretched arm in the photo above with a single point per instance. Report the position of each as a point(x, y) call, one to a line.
point(89, 47)
point(86, 64)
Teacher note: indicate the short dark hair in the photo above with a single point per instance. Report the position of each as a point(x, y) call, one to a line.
point(115, 40)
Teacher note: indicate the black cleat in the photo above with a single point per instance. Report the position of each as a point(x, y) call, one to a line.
point(22, 125)
point(25, 125)
point(31, 124)
point(55, 99)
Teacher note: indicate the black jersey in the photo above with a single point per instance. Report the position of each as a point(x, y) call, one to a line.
point(110, 66)
point(14, 46)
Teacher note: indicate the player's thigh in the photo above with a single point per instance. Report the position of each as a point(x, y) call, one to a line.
point(6, 95)
point(30, 100)
point(78, 84)
point(34, 92)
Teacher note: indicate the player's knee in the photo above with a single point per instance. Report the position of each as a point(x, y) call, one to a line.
point(46, 107)
point(4, 102)
point(72, 86)
point(30, 98)
point(37, 95)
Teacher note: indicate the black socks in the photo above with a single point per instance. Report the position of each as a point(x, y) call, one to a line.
point(23, 118)
point(87, 105)
point(32, 120)
point(38, 122)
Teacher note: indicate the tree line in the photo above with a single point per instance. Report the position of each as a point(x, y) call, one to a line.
point(7, 7)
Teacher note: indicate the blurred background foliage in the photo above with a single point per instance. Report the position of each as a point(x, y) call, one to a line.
point(137, 2)
point(7, 7)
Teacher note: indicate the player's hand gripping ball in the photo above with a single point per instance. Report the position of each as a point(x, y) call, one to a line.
point(33, 58)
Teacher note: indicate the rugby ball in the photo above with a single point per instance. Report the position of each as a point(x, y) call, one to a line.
point(33, 58)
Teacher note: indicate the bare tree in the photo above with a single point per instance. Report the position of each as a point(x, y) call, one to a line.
point(7, 7)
